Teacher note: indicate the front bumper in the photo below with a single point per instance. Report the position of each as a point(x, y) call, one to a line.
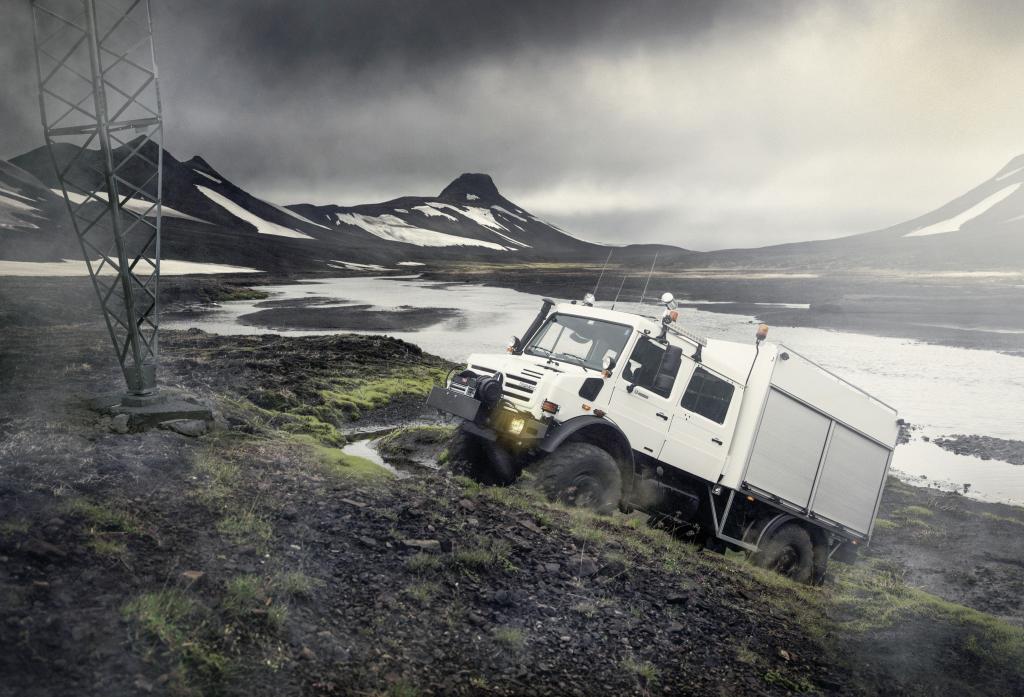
point(498, 423)
point(454, 402)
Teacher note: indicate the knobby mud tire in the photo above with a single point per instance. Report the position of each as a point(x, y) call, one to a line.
point(789, 552)
point(580, 474)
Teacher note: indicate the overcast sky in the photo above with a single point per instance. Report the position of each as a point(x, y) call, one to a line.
point(702, 124)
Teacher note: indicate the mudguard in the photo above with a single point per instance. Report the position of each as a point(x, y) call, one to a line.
point(613, 440)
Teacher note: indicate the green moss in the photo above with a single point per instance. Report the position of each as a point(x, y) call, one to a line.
point(644, 671)
point(306, 424)
point(217, 477)
point(246, 527)
point(230, 293)
point(104, 517)
point(912, 511)
point(295, 584)
point(1001, 518)
point(14, 527)
point(396, 442)
point(335, 463)
point(423, 591)
point(107, 548)
point(353, 396)
point(421, 563)
point(484, 554)
point(799, 685)
point(180, 624)
point(512, 638)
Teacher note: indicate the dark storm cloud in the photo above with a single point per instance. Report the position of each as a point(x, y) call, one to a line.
point(706, 124)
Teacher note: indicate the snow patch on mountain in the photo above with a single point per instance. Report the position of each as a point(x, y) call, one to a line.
point(956, 222)
point(1009, 174)
point(213, 179)
point(432, 212)
point(390, 227)
point(12, 200)
point(353, 266)
point(295, 215)
point(263, 227)
point(77, 267)
point(508, 213)
point(135, 205)
point(481, 216)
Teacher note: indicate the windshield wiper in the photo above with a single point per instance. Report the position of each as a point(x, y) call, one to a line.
point(575, 360)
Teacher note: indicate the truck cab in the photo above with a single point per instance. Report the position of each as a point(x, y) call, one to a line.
point(741, 446)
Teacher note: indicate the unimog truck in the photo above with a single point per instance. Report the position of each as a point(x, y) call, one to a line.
point(749, 447)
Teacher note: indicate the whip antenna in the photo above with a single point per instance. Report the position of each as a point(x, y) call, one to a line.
point(619, 291)
point(596, 285)
point(643, 295)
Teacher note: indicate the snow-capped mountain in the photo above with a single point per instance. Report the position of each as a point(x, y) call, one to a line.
point(469, 212)
point(981, 230)
point(29, 213)
point(208, 218)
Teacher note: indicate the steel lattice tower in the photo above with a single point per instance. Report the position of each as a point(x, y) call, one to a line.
point(100, 106)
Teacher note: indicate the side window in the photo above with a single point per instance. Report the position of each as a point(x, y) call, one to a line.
point(708, 395)
point(653, 366)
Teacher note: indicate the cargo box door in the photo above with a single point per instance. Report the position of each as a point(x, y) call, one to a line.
point(851, 478)
point(787, 450)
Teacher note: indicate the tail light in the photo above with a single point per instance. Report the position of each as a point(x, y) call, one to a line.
point(549, 406)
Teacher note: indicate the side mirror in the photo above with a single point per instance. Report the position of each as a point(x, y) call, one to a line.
point(514, 345)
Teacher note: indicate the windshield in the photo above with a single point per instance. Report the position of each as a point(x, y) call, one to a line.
point(580, 340)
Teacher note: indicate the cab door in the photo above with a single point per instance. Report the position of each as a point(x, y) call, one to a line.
point(700, 434)
point(641, 401)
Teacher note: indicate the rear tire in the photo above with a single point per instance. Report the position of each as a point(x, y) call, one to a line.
point(580, 474)
point(788, 552)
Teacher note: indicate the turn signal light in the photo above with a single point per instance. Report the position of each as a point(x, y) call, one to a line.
point(586, 407)
point(549, 407)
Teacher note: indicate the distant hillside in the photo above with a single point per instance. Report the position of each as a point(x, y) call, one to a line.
point(208, 218)
point(981, 230)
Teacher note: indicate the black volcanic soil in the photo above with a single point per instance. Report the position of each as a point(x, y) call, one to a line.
point(259, 560)
point(984, 447)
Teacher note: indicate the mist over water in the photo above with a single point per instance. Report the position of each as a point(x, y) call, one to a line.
point(943, 390)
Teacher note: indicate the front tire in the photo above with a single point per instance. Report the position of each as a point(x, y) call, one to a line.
point(582, 475)
point(788, 552)
point(479, 459)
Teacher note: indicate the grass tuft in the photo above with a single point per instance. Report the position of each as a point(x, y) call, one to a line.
point(512, 638)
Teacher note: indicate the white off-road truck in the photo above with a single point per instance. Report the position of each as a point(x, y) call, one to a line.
point(740, 446)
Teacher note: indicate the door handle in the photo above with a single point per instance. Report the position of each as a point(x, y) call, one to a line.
point(716, 440)
point(660, 415)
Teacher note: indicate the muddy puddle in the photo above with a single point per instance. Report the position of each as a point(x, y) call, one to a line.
point(366, 444)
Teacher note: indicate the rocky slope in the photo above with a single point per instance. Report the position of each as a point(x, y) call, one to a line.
point(259, 559)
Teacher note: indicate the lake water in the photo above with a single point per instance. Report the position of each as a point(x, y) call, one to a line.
point(944, 390)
